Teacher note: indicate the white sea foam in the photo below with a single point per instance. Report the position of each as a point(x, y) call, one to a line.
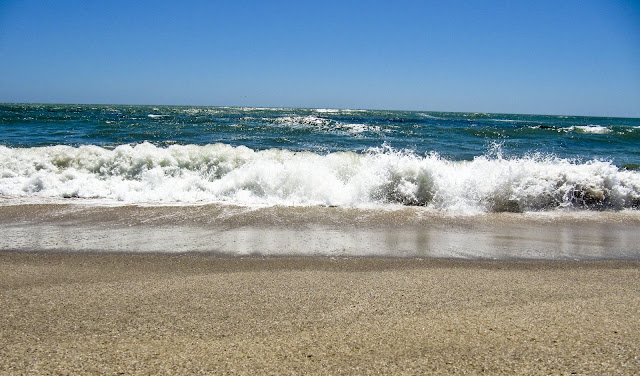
point(595, 129)
point(430, 116)
point(323, 124)
point(255, 108)
point(190, 174)
point(303, 121)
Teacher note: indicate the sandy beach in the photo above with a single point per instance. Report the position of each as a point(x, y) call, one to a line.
point(101, 313)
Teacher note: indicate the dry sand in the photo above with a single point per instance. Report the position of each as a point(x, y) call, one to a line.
point(197, 314)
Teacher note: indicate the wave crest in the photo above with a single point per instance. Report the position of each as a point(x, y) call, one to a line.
point(145, 173)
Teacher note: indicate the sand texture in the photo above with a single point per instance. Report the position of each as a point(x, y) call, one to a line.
point(70, 313)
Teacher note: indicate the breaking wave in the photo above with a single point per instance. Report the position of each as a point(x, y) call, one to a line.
point(191, 174)
point(324, 124)
point(595, 129)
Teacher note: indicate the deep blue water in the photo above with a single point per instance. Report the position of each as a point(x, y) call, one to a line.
point(454, 136)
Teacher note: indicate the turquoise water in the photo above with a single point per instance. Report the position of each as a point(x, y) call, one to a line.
point(455, 136)
point(264, 156)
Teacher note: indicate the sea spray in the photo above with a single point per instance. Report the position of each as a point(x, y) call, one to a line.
point(214, 173)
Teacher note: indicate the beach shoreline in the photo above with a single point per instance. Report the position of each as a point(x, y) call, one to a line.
point(200, 313)
point(413, 232)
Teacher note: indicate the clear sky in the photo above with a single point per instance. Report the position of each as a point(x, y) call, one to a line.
point(545, 56)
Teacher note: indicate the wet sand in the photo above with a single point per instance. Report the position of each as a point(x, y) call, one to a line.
point(101, 313)
point(320, 231)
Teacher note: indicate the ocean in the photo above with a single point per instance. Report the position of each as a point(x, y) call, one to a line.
point(252, 180)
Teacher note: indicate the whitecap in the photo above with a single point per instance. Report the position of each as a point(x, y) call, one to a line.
point(428, 116)
point(591, 128)
point(325, 125)
point(192, 174)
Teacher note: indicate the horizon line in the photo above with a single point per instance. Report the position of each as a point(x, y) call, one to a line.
point(315, 108)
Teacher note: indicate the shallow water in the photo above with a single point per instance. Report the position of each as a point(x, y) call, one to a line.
point(320, 231)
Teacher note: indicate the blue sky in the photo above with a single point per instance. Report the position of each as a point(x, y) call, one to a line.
point(553, 57)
